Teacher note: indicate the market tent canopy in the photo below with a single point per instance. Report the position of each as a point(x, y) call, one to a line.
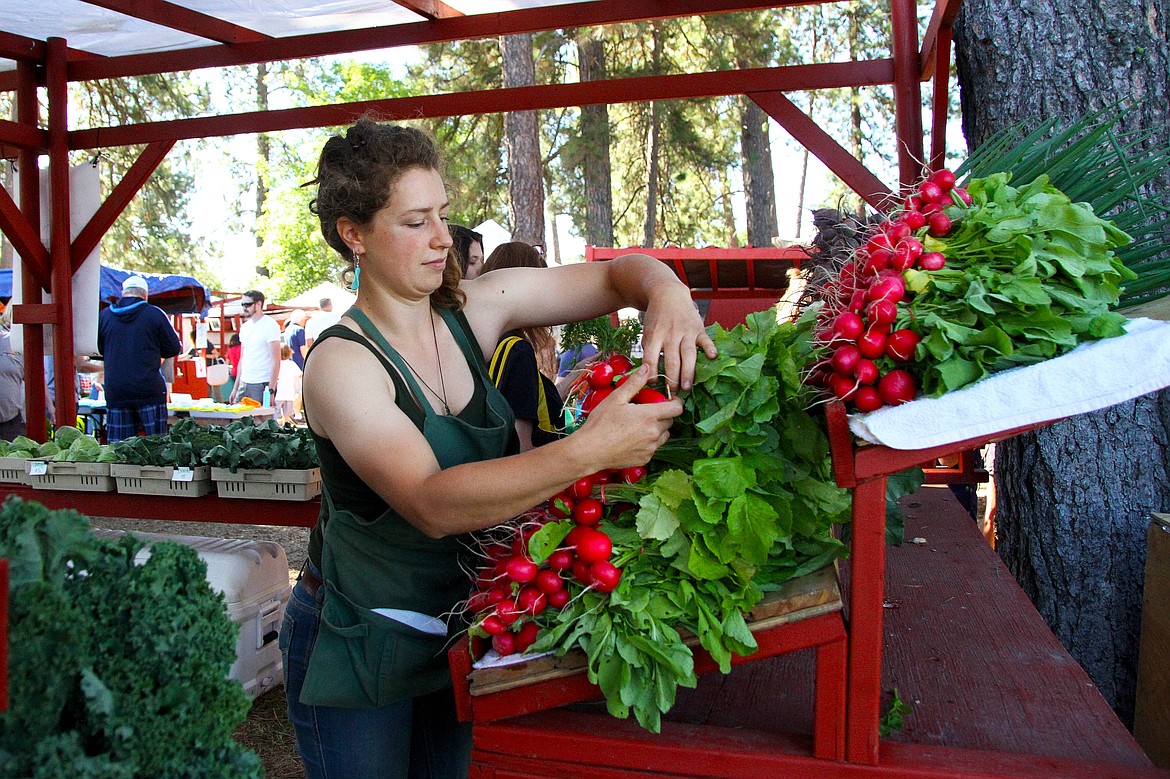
point(342, 298)
point(173, 294)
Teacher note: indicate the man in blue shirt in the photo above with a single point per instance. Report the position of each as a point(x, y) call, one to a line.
point(134, 338)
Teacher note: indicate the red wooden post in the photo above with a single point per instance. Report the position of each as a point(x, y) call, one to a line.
point(907, 90)
point(60, 242)
point(866, 594)
point(27, 109)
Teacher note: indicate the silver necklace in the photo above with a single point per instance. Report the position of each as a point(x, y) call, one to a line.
point(439, 360)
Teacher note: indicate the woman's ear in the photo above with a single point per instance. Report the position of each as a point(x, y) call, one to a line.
point(351, 235)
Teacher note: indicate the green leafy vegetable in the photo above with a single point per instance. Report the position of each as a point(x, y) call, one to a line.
point(138, 685)
point(269, 445)
point(1029, 275)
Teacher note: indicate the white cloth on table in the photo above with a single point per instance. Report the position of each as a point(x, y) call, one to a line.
point(1093, 376)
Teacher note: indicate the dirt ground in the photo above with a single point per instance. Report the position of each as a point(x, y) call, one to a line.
point(267, 730)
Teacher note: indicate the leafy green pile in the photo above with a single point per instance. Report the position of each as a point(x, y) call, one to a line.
point(137, 686)
point(186, 444)
point(1029, 274)
point(67, 445)
point(740, 501)
point(269, 446)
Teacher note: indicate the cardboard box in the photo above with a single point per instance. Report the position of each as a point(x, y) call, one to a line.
point(1151, 726)
point(254, 579)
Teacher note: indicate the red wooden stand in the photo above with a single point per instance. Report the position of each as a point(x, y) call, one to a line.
point(208, 508)
point(804, 614)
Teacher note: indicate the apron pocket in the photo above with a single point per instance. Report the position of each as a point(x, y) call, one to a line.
point(362, 659)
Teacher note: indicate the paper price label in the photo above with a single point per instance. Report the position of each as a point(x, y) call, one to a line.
point(38, 468)
point(182, 473)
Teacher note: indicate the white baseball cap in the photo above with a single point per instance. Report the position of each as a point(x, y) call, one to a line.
point(134, 282)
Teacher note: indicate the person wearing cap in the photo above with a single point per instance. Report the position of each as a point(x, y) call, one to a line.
point(260, 354)
point(135, 339)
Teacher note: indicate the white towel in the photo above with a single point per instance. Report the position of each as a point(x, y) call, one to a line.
point(1093, 376)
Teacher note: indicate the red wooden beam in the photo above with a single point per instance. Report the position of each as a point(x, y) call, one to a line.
point(25, 239)
point(22, 49)
point(847, 167)
point(207, 508)
point(431, 9)
point(147, 162)
point(177, 17)
point(580, 14)
point(644, 88)
point(22, 136)
point(941, 21)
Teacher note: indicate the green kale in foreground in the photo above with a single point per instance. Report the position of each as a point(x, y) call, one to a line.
point(115, 669)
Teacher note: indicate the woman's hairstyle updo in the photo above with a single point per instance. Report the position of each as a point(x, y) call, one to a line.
point(356, 175)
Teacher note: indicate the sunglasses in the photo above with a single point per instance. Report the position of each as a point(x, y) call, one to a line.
point(248, 303)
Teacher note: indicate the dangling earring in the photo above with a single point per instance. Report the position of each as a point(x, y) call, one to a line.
point(357, 272)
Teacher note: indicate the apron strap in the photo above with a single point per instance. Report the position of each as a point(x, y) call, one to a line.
point(363, 321)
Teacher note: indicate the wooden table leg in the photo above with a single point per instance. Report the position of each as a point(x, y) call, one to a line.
point(866, 595)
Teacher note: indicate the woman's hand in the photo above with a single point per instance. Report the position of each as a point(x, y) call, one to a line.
point(673, 329)
point(620, 434)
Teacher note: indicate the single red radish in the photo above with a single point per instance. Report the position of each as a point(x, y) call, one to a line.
point(940, 224)
point(932, 261)
point(867, 399)
point(901, 344)
point(897, 387)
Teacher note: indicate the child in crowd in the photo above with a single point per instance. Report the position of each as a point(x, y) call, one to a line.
point(288, 387)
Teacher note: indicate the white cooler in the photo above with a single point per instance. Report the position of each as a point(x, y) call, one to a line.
point(253, 577)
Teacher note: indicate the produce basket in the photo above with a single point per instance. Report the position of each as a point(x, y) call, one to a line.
point(278, 484)
point(62, 475)
point(14, 470)
point(162, 480)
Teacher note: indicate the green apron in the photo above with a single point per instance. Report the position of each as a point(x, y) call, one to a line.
point(361, 658)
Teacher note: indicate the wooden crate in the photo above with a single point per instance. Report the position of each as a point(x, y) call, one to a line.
point(1151, 721)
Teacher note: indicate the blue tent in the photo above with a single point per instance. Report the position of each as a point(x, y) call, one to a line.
point(173, 294)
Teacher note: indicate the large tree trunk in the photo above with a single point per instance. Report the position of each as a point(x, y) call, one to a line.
point(522, 141)
point(758, 179)
point(595, 142)
point(1074, 498)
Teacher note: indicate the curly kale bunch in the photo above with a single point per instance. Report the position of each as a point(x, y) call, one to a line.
point(115, 669)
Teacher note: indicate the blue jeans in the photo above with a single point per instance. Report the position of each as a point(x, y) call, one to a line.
point(410, 739)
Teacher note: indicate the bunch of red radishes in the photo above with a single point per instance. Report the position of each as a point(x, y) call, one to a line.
point(867, 360)
point(512, 589)
point(601, 378)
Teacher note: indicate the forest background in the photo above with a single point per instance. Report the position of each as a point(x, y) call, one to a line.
point(718, 172)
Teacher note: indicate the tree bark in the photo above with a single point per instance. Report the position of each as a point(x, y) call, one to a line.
point(758, 181)
point(595, 139)
point(522, 142)
point(263, 150)
point(1074, 498)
